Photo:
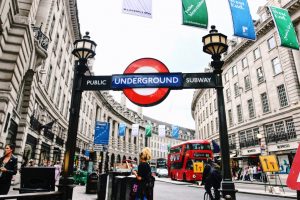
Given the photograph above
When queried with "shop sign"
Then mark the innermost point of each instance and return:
(251, 151)
(285, 146)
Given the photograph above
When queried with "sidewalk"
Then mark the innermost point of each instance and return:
(245, 187)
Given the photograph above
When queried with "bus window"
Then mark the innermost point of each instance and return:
(175, 150)
(176, 165)
(189, 164)
(200, 147)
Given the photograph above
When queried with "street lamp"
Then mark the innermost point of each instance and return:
(84, 49)
(215, 44)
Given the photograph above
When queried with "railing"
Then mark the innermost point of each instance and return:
(232, 146)
(48, 134)
(282, 136)
(249, 143)
(42, 39)
(39, 195)
(59, 141)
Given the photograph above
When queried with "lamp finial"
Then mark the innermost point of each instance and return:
(86, 35)
(213, 29)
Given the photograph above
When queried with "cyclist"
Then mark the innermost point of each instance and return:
(212, 178)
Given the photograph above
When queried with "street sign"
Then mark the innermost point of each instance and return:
(269, 163)
(148, 96)
(198, 167)
(149, 80)
(96, 83)
(293, 180)
(199, 80)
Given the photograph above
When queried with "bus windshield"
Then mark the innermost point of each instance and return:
(198, 147)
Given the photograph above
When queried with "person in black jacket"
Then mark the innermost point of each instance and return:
(8, 168)
(143, 176)
(212, 178)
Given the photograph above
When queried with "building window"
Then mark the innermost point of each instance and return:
(265, 102)
(226, 77)
(236, 89)
(234, 70)
(58, 97)
(210, 108)
(276, 66)
(248, 137)
(282, 96)
(251, 108)
(48, 77)
(215, 104)
(53, 88)
(239, 113)
(256, 53)
(247, 82)
(228, 96)
(212, 127)
(52, 27)
(55, 43)
(271, 43)
(260, 75)
(244, 62)
(230, 118)
(283, 130)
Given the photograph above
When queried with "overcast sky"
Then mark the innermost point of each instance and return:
(123, 38)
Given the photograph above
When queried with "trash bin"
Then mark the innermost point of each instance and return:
(101, 186)
(111, 189)
(91, 184)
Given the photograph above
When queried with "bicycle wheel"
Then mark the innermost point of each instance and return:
(206, 196)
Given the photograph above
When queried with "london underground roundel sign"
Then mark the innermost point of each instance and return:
(146, 96)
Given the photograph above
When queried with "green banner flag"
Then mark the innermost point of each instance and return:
(285, 27)
(195, 13)
(148, 130)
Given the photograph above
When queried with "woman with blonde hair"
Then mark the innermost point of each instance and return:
(143, 175)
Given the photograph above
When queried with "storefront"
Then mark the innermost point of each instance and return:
(250, 156)
(285, 153)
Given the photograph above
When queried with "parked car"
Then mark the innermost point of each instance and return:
(162, 172)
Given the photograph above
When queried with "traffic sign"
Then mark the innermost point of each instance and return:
(148, 96)
(198, 167)
(269, 163)
(293, 180)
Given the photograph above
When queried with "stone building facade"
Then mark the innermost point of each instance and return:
(36, 76)
(261, 93)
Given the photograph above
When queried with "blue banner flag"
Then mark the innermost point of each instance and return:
(87, 153)
(242, 21)
(101, 133)
(122, 129)
(175, 132)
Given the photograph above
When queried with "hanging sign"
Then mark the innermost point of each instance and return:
(101, 133)
(135, 129)
(122, 129)
(161, 130)
(175, 132)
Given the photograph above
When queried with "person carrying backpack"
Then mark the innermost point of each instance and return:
(212, 178)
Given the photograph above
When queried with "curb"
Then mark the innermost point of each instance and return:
(239, 191)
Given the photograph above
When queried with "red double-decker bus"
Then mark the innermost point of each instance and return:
(182, 157)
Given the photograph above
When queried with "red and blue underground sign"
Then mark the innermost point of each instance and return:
(147, 81)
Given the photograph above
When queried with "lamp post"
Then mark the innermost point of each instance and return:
(84, 49)
(215, 44)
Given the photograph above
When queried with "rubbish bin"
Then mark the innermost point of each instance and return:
(91, 184)
(111, 189)
(101, 186)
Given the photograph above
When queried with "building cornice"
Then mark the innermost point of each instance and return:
(73, 13)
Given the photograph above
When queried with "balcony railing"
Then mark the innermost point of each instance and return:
(283, 136)
(249, 143)
(42, 39)
(59, 141)
(232, 146)
(48, 134)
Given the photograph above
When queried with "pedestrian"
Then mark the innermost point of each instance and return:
(57, 172)
(212, 178)
(8, 168)
(144, 177)
(250, 172)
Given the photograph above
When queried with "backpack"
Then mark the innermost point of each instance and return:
(215, 173)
